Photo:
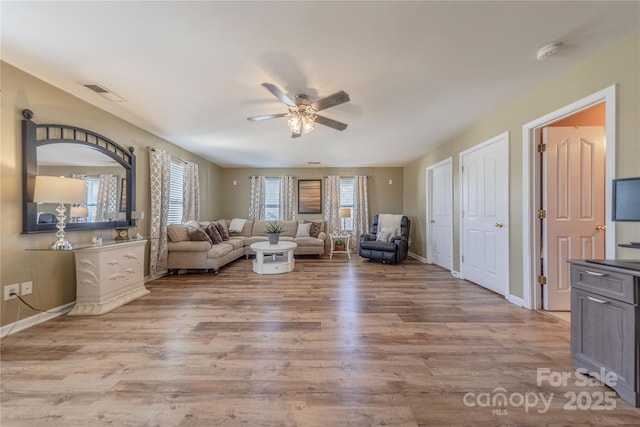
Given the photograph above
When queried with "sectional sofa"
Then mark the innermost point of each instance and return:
(187, 251)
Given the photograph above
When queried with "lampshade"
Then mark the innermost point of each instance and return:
(79, 212)
(54, 189)
(344, 213)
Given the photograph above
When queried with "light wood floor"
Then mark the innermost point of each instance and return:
(335, 343)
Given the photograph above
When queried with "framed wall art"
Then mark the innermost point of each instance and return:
(309, 196)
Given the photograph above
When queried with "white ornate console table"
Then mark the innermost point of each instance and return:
(108, 276)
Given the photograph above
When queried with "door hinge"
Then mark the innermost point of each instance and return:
(463, 213)
(542, 148)
(542, 280)
(541, 214)
(462, 258)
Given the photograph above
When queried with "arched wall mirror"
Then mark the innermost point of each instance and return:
(108, 169)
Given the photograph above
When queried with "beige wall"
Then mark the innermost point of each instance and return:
(53, 273)
(383, 197)
(617, 65)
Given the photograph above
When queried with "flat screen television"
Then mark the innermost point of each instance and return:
(626, 199)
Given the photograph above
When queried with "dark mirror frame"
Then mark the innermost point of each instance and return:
(35, 135)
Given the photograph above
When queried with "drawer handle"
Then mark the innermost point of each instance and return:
(593, 273)
(599, 301)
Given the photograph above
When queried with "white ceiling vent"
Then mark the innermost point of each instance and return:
(104, 92)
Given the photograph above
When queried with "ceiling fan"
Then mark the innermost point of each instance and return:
(303, 113)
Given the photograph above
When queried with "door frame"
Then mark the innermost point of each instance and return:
(497, 138)
(531, 188)
(429, 199)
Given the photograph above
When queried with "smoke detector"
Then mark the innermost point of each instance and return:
(548, 50)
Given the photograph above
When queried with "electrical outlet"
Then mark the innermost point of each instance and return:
(26, 288)
(15, 288)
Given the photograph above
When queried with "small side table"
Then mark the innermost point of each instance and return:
(346, 238)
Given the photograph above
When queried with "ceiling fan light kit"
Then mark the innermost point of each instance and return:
(547, 51)
(303, 113)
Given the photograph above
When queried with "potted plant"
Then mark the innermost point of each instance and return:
(273, 232)
(340, 245)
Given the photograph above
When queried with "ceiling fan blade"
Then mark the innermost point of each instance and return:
(331, 100)
(279, 94)
(270, 116)
(331, 123)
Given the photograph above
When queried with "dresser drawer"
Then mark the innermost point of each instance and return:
(603, 282)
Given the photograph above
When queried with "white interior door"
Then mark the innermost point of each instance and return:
(574, 198)
(440, 214)
(485, 214)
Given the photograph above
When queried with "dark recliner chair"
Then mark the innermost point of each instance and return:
(391, 252)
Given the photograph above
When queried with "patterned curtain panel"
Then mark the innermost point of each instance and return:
(191, 194)
(287, 198)
(360, 212)
(331, 203)
(256, 194)
(107, 201)
(159, 169)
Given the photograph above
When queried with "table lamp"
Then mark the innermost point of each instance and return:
(78, 212)
(61, 190)
(344, 213)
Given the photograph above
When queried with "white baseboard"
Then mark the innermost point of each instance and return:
(34, 320)
(516, 300)
(456, 274)
(418, 257)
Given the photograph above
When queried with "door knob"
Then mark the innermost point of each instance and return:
(499, 224)
(601, 227)
(432, 221)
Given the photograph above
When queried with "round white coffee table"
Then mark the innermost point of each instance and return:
(280, 261)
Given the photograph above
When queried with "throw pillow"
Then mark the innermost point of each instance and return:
(213, 233)
(177, 233)
(236, 225)
(383, 236)
(198, 234)
(317, 227)
(222, 230)
(303, 230)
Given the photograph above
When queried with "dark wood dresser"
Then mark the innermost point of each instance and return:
(605, 322)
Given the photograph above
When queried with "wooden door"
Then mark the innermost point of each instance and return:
(440, 221)
(574, 201)
(485, 214)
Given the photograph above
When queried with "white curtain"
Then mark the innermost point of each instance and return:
(332, 203)
(107, 201)
(191, 193)
(256, 195)
(159, 169)
(287, 207)
(360, 212)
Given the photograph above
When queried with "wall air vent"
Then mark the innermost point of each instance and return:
(104, 92)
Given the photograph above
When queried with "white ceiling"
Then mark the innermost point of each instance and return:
(418, 73)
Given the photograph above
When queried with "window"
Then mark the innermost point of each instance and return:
(176, 186)
(347, 186)
(271, 198)
(93, 184)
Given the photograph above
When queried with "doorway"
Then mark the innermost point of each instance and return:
(440, 214)
(572, 205)
(532, 170)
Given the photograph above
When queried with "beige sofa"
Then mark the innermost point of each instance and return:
(186, 254)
